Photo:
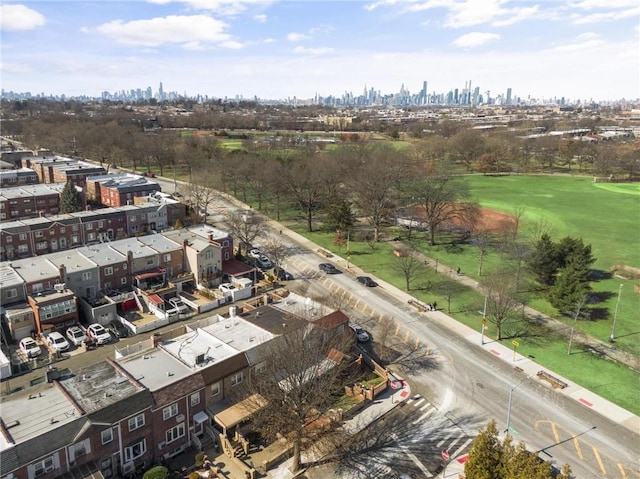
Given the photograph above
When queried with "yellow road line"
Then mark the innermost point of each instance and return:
(554, 428)
(357, 303)
(596, 453)
(578, 449)
(623, 473)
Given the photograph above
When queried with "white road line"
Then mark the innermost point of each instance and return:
(413, 457)
(419, 401)
(425, 407)
(461, 448)
(455, 441)
(424, 416)
(444, 440)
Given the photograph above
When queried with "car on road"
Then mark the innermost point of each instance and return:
(328, 268)
(76, 335)
(118, 329)
(57, 342)
(255, 253)
(29, 347)
(98, 333)
(367, 281)
(281, 274)
(361, 335)
(177, 304)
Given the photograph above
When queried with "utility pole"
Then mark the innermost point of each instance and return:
(612, 338)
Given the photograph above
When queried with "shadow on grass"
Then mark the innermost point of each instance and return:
(599, 314)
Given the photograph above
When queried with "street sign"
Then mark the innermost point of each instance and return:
(515, 343)
(484, 320)
(445, 455)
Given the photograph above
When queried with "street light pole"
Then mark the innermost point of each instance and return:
(511, 400)
(612, 338)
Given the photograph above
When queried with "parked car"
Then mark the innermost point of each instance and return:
(366, 281)
(255, 253)
(29, 347)
(281, 274)
(227, 287)
(361, 335)
(76, 335)
(118, 329)
(328, 268)
(263, 262)
(57, 342)
(177, 304)
(98, 333)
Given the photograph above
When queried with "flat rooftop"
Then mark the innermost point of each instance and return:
(155, 368)
(98, 386)
(35, 269)
(139, 250)
(31, 414)
(101, 254)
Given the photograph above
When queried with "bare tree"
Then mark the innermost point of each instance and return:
(246, 226)
(277, 251)
(199, 193)
(502, 301)
(577, 312)
(408, 264)
(385, 333)
(444, 199)
(304, 182)
(300, 378)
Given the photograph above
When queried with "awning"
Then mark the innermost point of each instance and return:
(233, 267)
(150, 274)
(200, 417)
(240, 412)
(155, 299)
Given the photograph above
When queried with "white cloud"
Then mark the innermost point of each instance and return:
(297, 37)
(606, 16)
(313, 51)
(269, 40)
(474, 12)
(173, 29)
(607, 4)
(19, 17)
(220, 7)
(15, 68)
(517, 15)
(582, 45)
(475, 39)
(232, 45)
(260, 18)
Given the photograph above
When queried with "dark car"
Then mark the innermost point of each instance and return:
(328, 268)
(366, 281)
(281, 274)
(118, 329)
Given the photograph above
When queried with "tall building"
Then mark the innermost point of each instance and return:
(508, 100)
(160, 93)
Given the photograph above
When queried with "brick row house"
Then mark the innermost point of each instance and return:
(58, 169)
(115, 190)
(18, 177)
(159, 266)
(30, 201)
(36, 236)
(154, 400)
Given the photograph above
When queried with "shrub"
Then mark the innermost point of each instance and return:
(158, 472)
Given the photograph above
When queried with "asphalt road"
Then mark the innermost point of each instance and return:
(465, 383)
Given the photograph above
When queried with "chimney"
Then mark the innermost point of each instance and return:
(211, 237)
(62, 273)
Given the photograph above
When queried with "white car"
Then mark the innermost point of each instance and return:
(263, 262)
(76, 335)
(255, 253)
(98, 333)
(57, 342)
(30, 348)
(227, 287)
(361, 335)
(178, 305)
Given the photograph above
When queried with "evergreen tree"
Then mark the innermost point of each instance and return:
(543, 261)
(70, 200)
(339, 216)
(489, 458)
(572, 284)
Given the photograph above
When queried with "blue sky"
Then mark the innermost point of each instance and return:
(582, 49)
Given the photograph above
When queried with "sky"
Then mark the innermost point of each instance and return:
(577, 49)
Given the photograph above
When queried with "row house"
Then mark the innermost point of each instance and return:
(30, 201)
(166, 212)
(58, 169)
(203, 258)
(36, 236)
(154, 400)
(18, 177)
(96, 420)
(119, 189)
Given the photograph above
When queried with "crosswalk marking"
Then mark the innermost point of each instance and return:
(419, 401)
(455, 441)
(425, 407)
(424, 416)
(444, 440)
(461, 448)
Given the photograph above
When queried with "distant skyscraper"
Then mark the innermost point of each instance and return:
(508, 100)
(160, 93)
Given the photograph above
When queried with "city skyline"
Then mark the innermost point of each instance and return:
(584, 50)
